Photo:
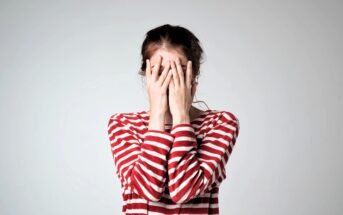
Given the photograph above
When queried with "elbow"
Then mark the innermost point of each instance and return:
(178, 198)
(184, 195)
(148, 195)
(154, 198)
(146, 191)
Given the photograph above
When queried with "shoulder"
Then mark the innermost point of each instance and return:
(123, 123)
(225, 117)
(228, 116)
(122, 117)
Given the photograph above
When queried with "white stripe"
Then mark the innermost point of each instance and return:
(229, 126)
(157, 144)
(182, 148)
(156, 154)
(209, 153)
(158, 134)
(114, 122)
(180, 174)
(207, 138)
(116, 130)
(185, 138)
(149, 183)
(145, 191)
(211, 145)
(184, 197)
(221, 132)
(183, 184)
(125, 149)
(176, 205)
(158, 177)
(182, 128)
(135, 211)
(126, 157)
(127, 164)
(176, 159)
(118, 145)
(207, 160)
(158, 166)
(206, 166)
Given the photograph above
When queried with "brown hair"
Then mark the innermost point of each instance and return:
(176, 37)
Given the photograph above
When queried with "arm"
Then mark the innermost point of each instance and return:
(193, 168)
(141, 167)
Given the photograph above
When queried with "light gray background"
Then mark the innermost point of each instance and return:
(66, 66)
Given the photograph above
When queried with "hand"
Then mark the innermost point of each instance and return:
(157, 91)
(181, 92)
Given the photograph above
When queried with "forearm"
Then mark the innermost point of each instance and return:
(156, 121)
(181, 119)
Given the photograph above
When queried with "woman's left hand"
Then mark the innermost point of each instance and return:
(181, 92)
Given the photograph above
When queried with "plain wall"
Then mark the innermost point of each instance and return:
(66, 66)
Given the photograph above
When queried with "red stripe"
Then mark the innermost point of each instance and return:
(159, 195)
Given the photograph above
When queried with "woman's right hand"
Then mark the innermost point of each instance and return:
(157, 85)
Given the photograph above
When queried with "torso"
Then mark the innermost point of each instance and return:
(194, 114)
(202, 122)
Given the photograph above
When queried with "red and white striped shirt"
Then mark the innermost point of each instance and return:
(176, 171)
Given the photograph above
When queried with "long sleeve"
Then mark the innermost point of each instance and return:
(193, 168)
(140, 164)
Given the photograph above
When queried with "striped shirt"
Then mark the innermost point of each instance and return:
(176, 171)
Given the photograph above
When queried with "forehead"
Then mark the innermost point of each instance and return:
(168, 54)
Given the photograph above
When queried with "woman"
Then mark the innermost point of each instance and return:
(171, 159)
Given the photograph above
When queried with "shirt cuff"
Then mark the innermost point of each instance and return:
(181, 127)
(159, 136)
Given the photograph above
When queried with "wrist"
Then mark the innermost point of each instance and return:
(181, 119)
(156, 122)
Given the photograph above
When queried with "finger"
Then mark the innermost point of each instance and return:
(171, 84)
(167, 80)
(148, 70)
(176, 78)
(156, 68)
(164, 73)
(180, 71)
(189, 74)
